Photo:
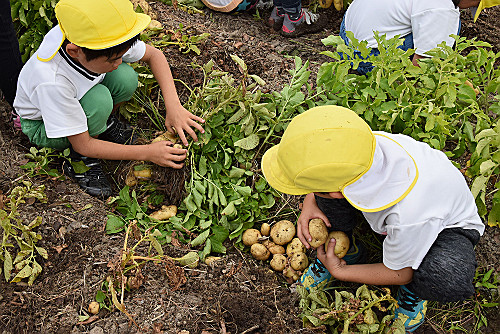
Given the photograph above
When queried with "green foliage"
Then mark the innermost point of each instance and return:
(24, 263)
(346, 312)
(41, 160)
(32, 20)
(185, 41)
(430, 103)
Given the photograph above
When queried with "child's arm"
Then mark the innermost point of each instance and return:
(310, 210)
(161, 153)
(373, 273)
(177, 117)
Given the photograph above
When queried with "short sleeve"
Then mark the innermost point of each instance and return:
(135, 53)
(433, 26)
(62, 113)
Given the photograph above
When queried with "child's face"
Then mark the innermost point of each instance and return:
(98, 65)
(332, 195)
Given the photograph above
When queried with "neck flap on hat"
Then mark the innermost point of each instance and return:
(390, 178)
(51, 44)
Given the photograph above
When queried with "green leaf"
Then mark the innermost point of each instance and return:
(7, 265)
(248, 143)
(114, 224)
(25, 272)
(201, 238)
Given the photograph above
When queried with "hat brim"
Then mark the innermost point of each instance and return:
(275, 176)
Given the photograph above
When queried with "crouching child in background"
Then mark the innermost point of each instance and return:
(68, 90)
(405, 190)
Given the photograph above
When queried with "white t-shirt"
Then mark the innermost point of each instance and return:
(431, 21)
(440, 199)
(51, 90)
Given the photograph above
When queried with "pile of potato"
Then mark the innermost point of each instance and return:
(287, 253)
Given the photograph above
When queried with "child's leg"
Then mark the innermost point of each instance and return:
(121, 83)
(447, 271)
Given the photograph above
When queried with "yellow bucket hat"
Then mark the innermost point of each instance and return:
(94, 24)
(482, 5)
(330, 149)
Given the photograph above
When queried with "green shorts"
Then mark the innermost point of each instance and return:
(117, 86)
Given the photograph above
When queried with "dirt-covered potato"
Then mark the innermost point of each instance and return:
(250, 237)
(260, 252)
(165, 213)
(144, 173)
(318, 232)
(276, 249)
(299, 261)
(265, 229)
(282, 232)
(166, 136)
(278, 262)
(94, 307)
(295, 246)
(290, 273)
(154, 25)
(342, 243)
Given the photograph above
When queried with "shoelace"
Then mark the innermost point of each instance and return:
(309, 17)
(408, 300)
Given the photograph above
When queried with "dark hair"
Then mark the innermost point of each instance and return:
(456, 2)
(91, 54)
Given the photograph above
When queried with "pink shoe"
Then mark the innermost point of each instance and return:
(17, 121)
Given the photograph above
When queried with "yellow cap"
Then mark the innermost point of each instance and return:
(322, 150)
(485, 4)
(99, 24)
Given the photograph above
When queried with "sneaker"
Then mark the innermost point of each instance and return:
(317, 273)
(307, 23)
(93, 181)
(118, 132)
(411, 309)
(275, 21)
(16, 121)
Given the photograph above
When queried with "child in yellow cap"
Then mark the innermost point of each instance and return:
(405, 190)
(69, 88)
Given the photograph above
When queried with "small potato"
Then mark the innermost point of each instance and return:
(299, 261)
(341, 245)
(295, 246)
(265, 229)
(143, 173)
(276, 249)
(179, 146)
(130, 180)
(250, 237)
(166, 136)
(282, 232)
(318, 231)
(165, 213)
(268, 243)
(153, 24)
(278, 262)
(290, 273)
(94, 307)
(260, 252)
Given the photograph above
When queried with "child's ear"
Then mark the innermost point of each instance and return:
(73, 50)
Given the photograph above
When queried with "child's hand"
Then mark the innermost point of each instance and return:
(310, 210)
(182, 120)
(164, 154)
(328, 258)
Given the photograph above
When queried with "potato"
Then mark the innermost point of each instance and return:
(166, 136)
(290, 273)
(259, 252)
(339, 4)
(130, 180)
(265, 229)
(154, 25)
(318, 231)
(178, 146)
(342, 243)
(250, 237)
(299, 261)
(144, 173)
(276, 249)
(325, 3)
(268, 243)
(295, 246)
(94, 307)
(282, 232)
(165, 213)
(278, 262)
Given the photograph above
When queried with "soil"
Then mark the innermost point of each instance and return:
(236, 294)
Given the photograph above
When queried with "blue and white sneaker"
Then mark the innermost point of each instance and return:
(317, 273)
(411, 309)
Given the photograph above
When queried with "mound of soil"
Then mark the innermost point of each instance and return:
(236, 294)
